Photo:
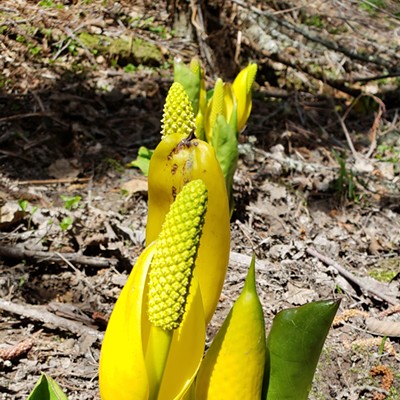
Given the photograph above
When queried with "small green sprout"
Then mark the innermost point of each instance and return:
(71, 203)
(65, 223)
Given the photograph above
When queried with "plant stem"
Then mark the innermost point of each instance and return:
(156, 358)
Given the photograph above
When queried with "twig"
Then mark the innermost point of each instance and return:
(13, 154)
(366, 79)
(197, 21)
(349, 276)
(78, 272)
(39, 313)
(61, 49)
(238, 47)
(54, 181)
(21, 253)
(27, 115)
(347, 134)
(375, 125)
(391, 310)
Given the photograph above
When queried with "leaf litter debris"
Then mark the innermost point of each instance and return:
(72, 118)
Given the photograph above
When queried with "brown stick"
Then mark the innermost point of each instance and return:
(27, 115)
(21, 253)
(39, 313)
(349, 276)
(54, 181)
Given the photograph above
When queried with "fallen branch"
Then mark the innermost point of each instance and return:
(317, 38)
(39, 313)
(27, 115)
(54, 181)
(22, 253)
(350, 277)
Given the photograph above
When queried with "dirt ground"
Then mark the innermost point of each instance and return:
(322, 218)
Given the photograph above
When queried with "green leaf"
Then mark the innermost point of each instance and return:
(294, 345)
(225, 143)
(71, 203)
(23, 204)
(190, 81)
(66, 222)
(47, 388)
(143, 160)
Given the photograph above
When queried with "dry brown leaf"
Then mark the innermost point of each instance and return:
(383, 327)
(135, 185)
(63, 168)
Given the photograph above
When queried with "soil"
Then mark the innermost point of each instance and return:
(73, 115)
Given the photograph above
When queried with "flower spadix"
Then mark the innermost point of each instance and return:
(155, 338)
(234, 364)
(178, 114)
(174, 259)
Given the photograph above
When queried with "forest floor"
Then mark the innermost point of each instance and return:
(75, 105)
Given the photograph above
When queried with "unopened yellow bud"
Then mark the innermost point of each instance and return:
(195, 65)
(215, 108)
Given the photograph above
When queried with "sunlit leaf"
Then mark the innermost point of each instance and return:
(294, 345)
(143, 160)
(225, 143)
(190, 79)
(47, 389)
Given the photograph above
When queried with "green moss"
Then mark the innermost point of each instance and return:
(123, 50)
(135, 51)
(92, 42)
(50, 4)
(315, 20)
(381, 275)
(372, 6)
(386, 271)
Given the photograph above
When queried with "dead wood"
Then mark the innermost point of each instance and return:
(303, 38)
(39, 313)
(20, 253)
(362, 284)
(383, 327)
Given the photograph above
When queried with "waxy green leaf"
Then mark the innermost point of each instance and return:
(225, 143)
(143, 160)
(190, 79)
(47, 389)
(294, 345)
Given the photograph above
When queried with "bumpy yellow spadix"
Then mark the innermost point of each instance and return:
(174, 259)
(178, 114)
